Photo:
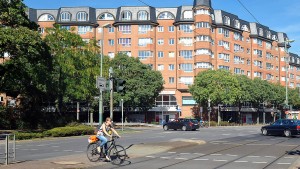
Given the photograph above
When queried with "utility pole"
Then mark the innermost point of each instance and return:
(209, 111)
(122, 105)
(111, 91)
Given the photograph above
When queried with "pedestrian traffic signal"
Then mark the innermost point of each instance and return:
(120, 85)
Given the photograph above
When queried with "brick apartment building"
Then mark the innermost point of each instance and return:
(181, 42)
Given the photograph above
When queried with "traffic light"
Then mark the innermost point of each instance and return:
(120, 85)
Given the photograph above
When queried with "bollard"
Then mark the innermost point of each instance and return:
(6, 149)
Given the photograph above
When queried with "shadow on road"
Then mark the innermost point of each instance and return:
(296, 152)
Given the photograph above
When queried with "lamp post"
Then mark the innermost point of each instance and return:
(101, 68)
(209, 111)
(287, 59)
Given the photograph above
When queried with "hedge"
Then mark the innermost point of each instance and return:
(77, 130)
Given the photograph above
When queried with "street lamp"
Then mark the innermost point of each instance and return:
(287, 59)
(107, 25)
(209, 111)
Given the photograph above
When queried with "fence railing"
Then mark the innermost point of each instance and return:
(9, 143)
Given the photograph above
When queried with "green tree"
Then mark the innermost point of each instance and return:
(219, 86)
(75, 66)
(143, 84)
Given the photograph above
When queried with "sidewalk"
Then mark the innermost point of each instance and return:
(80, 160)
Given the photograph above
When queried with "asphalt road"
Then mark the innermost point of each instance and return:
(226, 147)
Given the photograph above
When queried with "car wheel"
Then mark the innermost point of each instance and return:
(265, 132)
(183, 128)
(166, 127)
(287, 133)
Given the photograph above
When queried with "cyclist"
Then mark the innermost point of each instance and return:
(106, 129)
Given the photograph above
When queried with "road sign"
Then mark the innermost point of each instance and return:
(101, 83)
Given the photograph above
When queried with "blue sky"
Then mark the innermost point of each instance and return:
(279, 15)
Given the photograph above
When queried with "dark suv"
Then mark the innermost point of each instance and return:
(183, 124)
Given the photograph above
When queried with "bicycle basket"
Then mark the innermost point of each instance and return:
(92, 139)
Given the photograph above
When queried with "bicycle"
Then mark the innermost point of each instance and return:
(116, 153)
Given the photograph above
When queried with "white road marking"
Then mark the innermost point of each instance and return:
(78, 151)
(198, 154)
(232, 155)
(54, 146)
(150, 156)
(68, 150)
(165, 157)
(219, 141)
(220, 160)
(185, 153)
(258, 144)
(226, 134)
(171, 152)
(253, 156)
(270, 156)
(201, 159)
(215, 143)
(284, 163)
(259, 162)
(289, 157)
(216, 154)
(241, 161)
(181, 158)
(41, 145)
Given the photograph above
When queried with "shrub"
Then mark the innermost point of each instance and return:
(213, 123)
(69, 131)
(224, 123)
(26, 136)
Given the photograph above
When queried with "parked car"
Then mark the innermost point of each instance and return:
(286, 127)
(183, 124)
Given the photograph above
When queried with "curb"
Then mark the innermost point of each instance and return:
(296, 164)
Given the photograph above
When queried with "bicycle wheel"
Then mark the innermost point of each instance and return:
(92, 152)
(117, 154)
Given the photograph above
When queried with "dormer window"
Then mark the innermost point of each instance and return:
(245, 28)
(82, 16)
(274, 37)
(237, 24)
(126, 16)
(260, 32)
(65, 16)
(269, 34)
(106, 16)
(143, 15)
(226, 20)
(46, 17)
(187, 15)
(166, 15)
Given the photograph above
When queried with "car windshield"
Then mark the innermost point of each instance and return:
(194, 121)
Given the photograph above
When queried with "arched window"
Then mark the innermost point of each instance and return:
(143, 15)
(126, 15)
(166, 15)
(260, 32)
(106, 16)
(46, 17)
(237, 24)
(274, 37)
(82, 16)
(245, 28)
(226, 20)
(269, 34)
(65, 16)
(188, 15)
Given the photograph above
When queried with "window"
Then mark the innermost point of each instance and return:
(187, 28)
(144, 29)
(111, 42)
(126, 29)
(171, 67)
(128, 53)
(111, 29)
(269, 77)
(126, 16)
(260, 32)
(224, 56)
(171, 28)
(269, 56)
(269, 34)
(258, 63)
(65, 27)
(187, 15)
(144, 54)
(237, 24)
(145, 41)
(186, 67)
(258, 74)
(166, 15)
(106, 16)
(225, 44)
(186, 80)
(237, 60)
(46, 17)
(203, 38)
(204, 65)
(203, 52)
(186, 41)
(186, 54)
(269, 66)
(268, 45)
(65, 16)
(237, 36)
(258, 52)
(82, 16)
(84, 29)
(160, 28)
(171, 54)
(274, 37)
(248, 62)
(237, 47)
(203, 25)
(171, 41)
(124, 41)
(171, 80)
(258, 41)
(237, 71)
(202, 11)
(224, 67)
(143, 15)
(160, 41)
(160, 54)
(224, 31)
(245, 28)
(160, 67)
(226, 20)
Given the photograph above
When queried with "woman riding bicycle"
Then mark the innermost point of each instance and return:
(106, 129)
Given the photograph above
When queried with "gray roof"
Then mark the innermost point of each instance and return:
(202, 3)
